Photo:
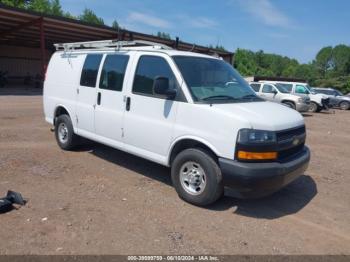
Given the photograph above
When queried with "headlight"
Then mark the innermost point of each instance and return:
(252, 136)
(300, 100)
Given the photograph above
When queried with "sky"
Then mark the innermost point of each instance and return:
(294, 28)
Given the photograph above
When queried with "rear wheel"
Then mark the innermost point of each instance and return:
(197, 177)
(64, 133)
(344, 105)
(289, 104)
(313, 107)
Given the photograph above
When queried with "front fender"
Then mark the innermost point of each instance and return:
(195, 138)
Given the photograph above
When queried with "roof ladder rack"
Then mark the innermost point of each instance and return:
(103, 44)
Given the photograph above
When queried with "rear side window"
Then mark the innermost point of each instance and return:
(90, 70)
(288, 87)
(113, 71)
(256, 87)
(268, 89)
(148, 68)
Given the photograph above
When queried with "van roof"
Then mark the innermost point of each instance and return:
(168, 52)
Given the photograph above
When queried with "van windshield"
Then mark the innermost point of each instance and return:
(214, 81)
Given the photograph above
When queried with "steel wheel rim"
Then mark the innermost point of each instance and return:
(343, 105)
(63, 133)
(312, 107)
(192, 177)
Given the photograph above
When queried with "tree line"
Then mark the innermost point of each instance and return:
(53, 7)
(330, 67)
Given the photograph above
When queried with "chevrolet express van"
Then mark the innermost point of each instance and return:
(191, 112)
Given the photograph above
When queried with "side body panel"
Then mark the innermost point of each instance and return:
(60, 87)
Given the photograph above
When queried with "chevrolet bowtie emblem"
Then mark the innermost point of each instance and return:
(296, 141)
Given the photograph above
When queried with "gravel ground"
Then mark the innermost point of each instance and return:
(98, 200)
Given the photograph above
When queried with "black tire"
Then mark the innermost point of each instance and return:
(344, 105)
(70, 140)
(213, 188)
(289, 104)
(314, 107)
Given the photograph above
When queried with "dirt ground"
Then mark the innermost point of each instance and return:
(98, 200)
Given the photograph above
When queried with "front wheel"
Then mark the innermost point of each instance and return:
(64, 133)
(197, 177)
(344, 105)
(313, 107)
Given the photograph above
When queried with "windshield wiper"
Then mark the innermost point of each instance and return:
(219, 97)
(251, 96)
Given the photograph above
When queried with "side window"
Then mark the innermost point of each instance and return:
(288, 87)
(268, 89)
(321, 91)
(256, 87)
(148, 68)
(300, 89)
(113, 71)
(90, 70)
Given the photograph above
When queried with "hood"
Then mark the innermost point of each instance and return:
(322, 96)
(262, 115)
(347, 98)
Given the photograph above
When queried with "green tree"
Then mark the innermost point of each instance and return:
(56, 8)
(115, 24)
(341, 60)
(323, 61)
(245, 62)
(42, 6)
(90, 17)
(15, 3)
(163, 35)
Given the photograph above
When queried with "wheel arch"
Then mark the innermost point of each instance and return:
(183, 143)
(289, 101)
(61, 110)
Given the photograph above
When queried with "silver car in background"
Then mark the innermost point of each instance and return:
(277, 93)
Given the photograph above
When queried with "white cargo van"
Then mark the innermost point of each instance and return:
(189, 111)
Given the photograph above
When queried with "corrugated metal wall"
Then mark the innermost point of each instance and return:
(20, 61)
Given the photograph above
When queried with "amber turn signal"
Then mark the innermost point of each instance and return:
(256, 155)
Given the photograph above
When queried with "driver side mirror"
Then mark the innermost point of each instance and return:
(161, 87)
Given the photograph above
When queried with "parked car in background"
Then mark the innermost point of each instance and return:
(318, 102)
(191, 112)
(277, 93)
(336, 98)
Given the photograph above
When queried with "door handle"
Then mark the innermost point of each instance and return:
(99, 98)
(127, 105)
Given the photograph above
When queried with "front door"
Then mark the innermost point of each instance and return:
(268, 92)
(109, 112)
(149, 118)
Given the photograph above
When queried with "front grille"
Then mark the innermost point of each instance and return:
(286, 140)
(325, 102)
(290, 133)
(284, 154)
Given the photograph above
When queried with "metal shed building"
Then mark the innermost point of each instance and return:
(27, 38)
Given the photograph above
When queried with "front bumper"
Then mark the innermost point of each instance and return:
(259, 179)
(325, 103)
(302, 107)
